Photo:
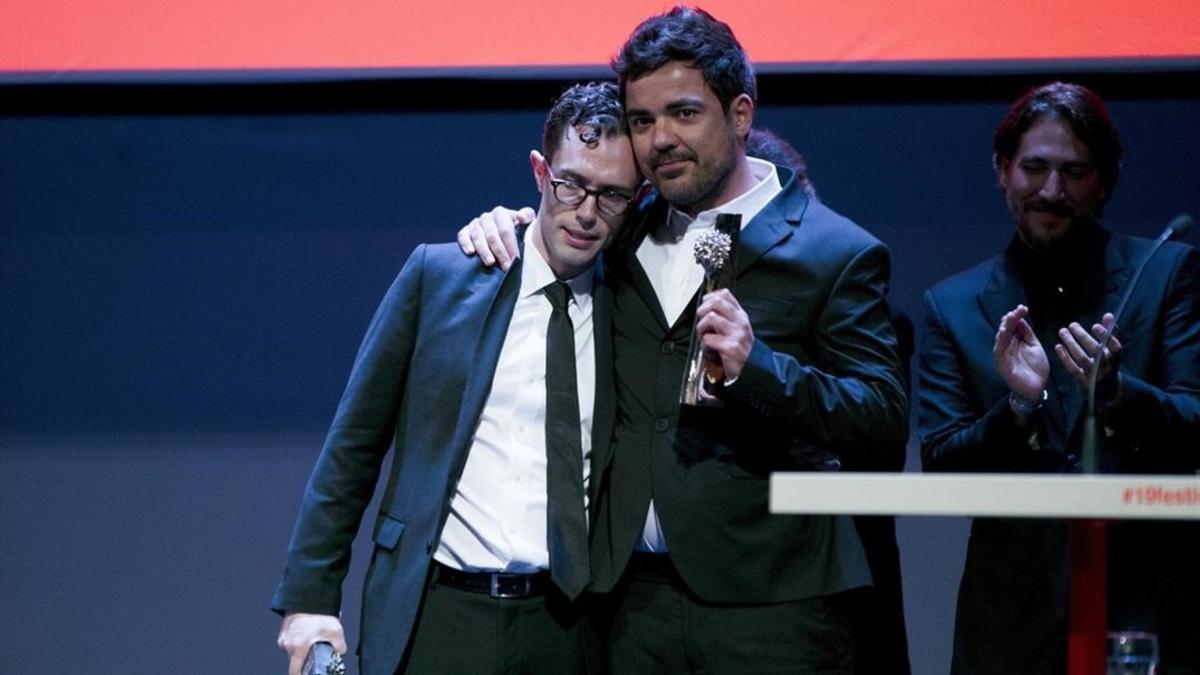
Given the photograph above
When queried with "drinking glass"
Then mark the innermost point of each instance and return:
(1132, 653)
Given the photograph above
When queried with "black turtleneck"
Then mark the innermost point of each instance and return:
(1064, 283)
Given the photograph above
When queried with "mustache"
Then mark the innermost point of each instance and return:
(666, 157)
(1053, 208)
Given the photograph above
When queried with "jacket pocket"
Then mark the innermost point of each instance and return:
(387, 531)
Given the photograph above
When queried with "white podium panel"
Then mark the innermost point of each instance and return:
(1004, 495)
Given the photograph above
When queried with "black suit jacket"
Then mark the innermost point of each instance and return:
(1013, 595)
(419, 382)
(822, 382)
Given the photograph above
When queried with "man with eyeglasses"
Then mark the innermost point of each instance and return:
(496, 388)
(700, 576)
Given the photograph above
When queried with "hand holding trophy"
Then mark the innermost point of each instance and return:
(323, 660)
(715, 252)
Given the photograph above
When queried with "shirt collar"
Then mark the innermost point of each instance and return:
(747, 205)
(536, 274)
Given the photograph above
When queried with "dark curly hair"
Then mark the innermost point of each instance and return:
(690, 35)
(593, 109)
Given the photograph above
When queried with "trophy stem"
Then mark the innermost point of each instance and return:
(693, 381)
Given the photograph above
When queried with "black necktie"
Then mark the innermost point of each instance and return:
(566, 524)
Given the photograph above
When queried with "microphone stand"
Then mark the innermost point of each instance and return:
(1090, 441)
(1088, 612)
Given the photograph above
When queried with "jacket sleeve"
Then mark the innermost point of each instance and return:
(1168, 409)
(348, 468)
(853, 402)
(956, 435)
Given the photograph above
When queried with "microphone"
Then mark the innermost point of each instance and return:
(1178, 225)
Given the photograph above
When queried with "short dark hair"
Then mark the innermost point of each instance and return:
(766, 144)
(1079, 107)
(594, 109)
(690, 35)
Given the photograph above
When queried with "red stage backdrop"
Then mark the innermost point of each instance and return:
(156, 35)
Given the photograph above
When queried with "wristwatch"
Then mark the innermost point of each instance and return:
(1023, 405)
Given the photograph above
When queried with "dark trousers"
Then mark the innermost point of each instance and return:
(459, 631)
(657, 626)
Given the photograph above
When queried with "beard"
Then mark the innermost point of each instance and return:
(1039, 223)
(703, 185)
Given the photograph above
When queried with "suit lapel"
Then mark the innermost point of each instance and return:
(604, 407)
(640, 283)
(767, 229)
(1118, 270)
(1003, 292)
(770, 227)
(634, 273)
(498, 292)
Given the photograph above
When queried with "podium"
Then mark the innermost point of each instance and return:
(1088, 501)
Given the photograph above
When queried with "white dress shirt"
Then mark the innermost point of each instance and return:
(497, 518)
(668, 259)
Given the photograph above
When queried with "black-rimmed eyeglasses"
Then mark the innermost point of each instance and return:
(570, 193)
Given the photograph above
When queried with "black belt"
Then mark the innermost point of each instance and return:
(494, 584)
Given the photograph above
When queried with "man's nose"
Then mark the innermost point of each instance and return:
(664, 136)
(1052, 187)
(585, 213)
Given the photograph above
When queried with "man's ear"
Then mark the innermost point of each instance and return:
(541, 168)
(741, 114)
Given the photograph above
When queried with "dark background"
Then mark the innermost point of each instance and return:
(186, 270)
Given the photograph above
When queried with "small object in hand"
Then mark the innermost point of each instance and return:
(712, 251)
(322, 660)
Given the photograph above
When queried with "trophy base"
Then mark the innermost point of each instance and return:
(692, 395)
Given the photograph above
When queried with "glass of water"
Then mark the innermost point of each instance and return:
(1132, 653)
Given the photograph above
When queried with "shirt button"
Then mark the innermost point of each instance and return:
(661, 424)
(668, 347)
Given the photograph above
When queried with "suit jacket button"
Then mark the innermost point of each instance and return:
(661, 424)
(668, 347)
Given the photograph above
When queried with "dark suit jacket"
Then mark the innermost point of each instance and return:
(1012, 599)
(419, 382)
(880, 634)
(822, 382)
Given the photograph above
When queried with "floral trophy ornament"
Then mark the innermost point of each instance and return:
(715, 253)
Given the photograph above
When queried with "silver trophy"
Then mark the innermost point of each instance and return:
(714, 252)
(322, 660)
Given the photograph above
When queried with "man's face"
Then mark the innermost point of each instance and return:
(684, 141)
(570, 237)
(1050, 184)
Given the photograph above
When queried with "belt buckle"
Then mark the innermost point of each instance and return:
(496, 591)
